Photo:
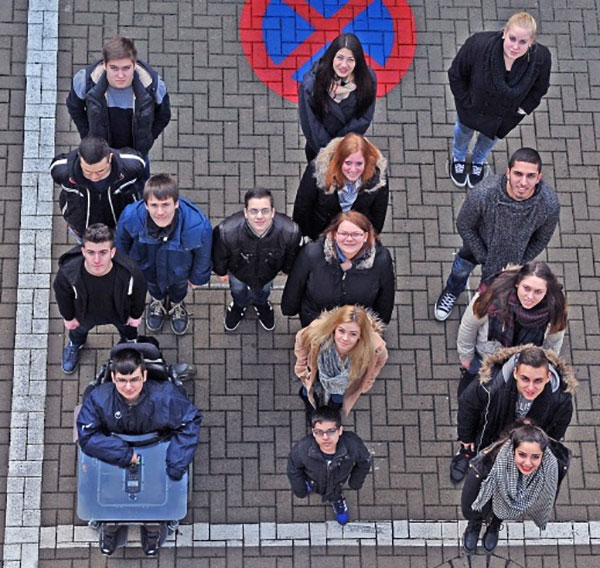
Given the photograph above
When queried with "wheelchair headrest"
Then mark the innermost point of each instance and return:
(148, 350)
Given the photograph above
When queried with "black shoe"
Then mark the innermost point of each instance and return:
(70, 358)
(112, 537)
(155, 315)
(471, 536)
(476, 174)
(458, 173)
(266, 315)
(180, 318)
(460, 464)
(234, 314)
(444, 305)
(490, 537)
(152, 538)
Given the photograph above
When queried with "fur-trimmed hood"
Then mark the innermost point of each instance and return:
(507, 358)
(365, 259)
(321, 164)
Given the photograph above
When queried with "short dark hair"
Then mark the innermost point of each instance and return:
(161, 186)
(534, 357)
(258, 193)
(119, 47)
(326, 414)
(529, 433)
(92, 149)
(528, 155)
(125, 362)
(99, 233)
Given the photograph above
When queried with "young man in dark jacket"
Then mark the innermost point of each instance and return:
(249, 249)
(131, 405)
(516, 383)
(96, 285)
(324, 460)
(170, 238)
(507, 219)
(120, 99)
(97, 183)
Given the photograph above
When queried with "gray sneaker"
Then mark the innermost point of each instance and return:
(444, 305)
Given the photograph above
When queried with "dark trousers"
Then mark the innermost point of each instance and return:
(79, 336)
(463, 265)
(176, 292)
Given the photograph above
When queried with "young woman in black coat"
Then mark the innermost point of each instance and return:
(347, 265)
(337, 95)
(496, 78)
(348, 174)
(516, 478)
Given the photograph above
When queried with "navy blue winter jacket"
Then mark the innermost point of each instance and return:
(161, 407)
(186, 255)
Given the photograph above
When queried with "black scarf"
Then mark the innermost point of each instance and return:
(511, 85)
(518, 326)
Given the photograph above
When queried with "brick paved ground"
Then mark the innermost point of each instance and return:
(13, 29)
(228, 133)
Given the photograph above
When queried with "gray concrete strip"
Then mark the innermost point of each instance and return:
(26, 451)
(379, 533)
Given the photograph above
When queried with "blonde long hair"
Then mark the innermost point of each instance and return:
(322, 331)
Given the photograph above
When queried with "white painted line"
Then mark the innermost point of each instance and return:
(26, 450)
(411, 534)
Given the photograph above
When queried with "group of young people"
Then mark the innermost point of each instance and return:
(341, 279)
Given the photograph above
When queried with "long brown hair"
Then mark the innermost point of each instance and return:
(505, 283)
(322, 331)
(350, 144)
(357, 219)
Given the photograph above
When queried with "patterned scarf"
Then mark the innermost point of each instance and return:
(510, 85)
(516, 496)
(334, 371)
(347, 194)
(341, 88)
(519, 326)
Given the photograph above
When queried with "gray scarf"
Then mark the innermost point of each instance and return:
(334, 371)
(516, 496)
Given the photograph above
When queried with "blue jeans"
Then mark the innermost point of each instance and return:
(176, 292)
(460, 144)
(243, 295)
(463, 265)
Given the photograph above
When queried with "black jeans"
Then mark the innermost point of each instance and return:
(79, 335)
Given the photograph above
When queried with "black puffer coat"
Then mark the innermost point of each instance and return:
(316, 205)
(80, 204)
(317, 282)
(477, 104)
(486, 408)
(351, 461)
(251, 259)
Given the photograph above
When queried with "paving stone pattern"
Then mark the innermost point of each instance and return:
(229, 132)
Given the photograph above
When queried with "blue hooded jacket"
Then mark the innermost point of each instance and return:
(161, 407)
(186, 255)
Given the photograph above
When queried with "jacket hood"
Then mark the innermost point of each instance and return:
(367, 258)
(143, 74)
(321, 163)
(559, 367)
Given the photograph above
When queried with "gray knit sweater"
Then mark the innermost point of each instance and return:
(499, 230)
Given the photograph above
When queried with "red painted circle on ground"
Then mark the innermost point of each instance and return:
(279, 77)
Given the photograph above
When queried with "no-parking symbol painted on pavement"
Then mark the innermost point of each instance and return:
(283, 38)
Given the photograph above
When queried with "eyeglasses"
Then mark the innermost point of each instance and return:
(264, 212)
(133, 382)
(320, 433)
(356, 235)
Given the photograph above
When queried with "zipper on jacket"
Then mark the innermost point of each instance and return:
(112, 209)
(87, 217)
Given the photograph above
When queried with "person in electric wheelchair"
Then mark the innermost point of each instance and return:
(127, 403)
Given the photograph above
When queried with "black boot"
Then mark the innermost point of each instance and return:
(490, 537)
(308, 407)
(471, 536)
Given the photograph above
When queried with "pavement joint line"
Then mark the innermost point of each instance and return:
(24, 482)
(378, 533)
